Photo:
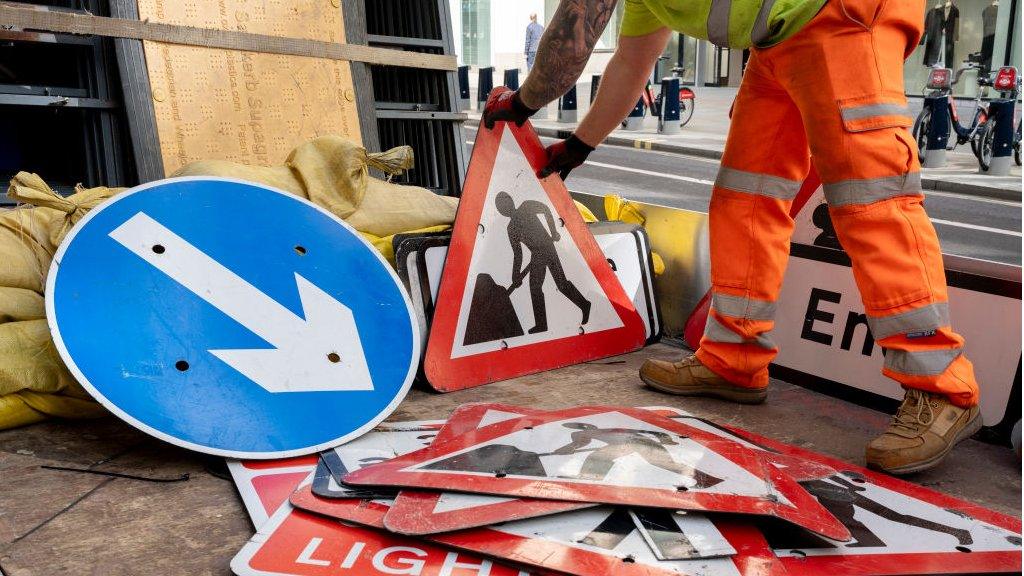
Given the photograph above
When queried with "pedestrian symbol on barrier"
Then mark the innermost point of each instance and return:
(525, 286)
(221, 316)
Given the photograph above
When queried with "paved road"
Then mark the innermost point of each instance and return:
(967, 226)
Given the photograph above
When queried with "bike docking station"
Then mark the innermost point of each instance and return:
(1001, 112)
(464, 92)
(939, 124)
(635, 120)
(668, 122)
(567, 107)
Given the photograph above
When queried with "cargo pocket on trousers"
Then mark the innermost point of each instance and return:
(874, 112)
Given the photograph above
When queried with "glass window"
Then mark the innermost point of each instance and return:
(608, 39)
(963, 34)
(476, 32)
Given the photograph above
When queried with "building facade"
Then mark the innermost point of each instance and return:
(986, 32)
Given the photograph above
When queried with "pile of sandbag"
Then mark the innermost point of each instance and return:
(330, 171)
(34, 384)
(335, 173)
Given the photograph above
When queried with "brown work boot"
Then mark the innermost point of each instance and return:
(924, 430)
(689, 377)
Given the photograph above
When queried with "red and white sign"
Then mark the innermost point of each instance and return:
(416, 513)
(297, 543)
(265, 485)
(625, 456)
(897, 527)
(525, 286)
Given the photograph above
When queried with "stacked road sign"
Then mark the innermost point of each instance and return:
(500, 490)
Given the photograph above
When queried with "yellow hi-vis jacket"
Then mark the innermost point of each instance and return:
(732, 23)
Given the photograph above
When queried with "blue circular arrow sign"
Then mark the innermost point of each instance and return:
(231, 318)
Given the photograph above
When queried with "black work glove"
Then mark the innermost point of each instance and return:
(564, 156)
(504, 105)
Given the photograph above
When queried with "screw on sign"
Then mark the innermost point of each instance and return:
(221, 316)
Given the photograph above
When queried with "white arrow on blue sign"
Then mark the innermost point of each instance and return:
(231, 318)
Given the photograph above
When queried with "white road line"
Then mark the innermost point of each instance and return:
(972, 198)
(976, 227)
(650, 173)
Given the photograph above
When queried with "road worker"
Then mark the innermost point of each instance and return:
(824, 84)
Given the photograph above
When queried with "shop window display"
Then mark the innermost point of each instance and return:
(957, 32)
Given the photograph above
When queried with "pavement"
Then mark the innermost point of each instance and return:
(63, 522)
(705, 135)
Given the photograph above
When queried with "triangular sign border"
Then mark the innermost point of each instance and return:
(446, 374)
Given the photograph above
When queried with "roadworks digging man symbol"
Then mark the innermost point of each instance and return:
(615, 443)
(492, 315)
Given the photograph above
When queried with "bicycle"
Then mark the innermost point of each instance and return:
(941, 85)
(1007, 84)
(687, 100)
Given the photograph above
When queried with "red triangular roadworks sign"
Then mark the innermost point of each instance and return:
(671, 465)
(417, 512)
(490, 326)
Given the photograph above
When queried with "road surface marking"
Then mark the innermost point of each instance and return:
(976, 227)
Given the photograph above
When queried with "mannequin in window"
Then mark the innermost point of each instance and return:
(932, 37)
(988, 35)
(951, 32)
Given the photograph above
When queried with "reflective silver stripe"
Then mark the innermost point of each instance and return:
(718, 22)
(741, 307)
(715, 332)
(872, 110)
(754, 183)
(760, 31)
(870, 190)
(929, 363)
(923, 319)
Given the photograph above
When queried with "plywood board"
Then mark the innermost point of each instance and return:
(246, 106)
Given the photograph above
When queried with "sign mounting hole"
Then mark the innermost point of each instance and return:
(963, 548)
(158, 248)
(334, 357)
(300, 250)
(181, 365)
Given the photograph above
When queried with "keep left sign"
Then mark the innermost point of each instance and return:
(231, 318)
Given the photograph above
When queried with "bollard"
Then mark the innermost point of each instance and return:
(938, 132)
(669, 106)
(1001, 112)
(635, 120)
(567, 106)
(464, 88)
(512, 79)
(484, 85)
(595, 81)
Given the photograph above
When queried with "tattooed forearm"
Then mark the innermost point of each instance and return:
(565, 48)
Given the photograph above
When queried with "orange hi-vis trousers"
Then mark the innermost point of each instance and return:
(833, 94)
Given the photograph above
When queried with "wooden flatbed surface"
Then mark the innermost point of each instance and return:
(56, 522)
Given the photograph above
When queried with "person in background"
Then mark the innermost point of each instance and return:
(533, 33)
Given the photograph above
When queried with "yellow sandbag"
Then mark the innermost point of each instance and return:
(27, 407)
(618, 208)
(20, 304)
(334, 173)
(29, 360)
(385, 244)
(30, 234)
